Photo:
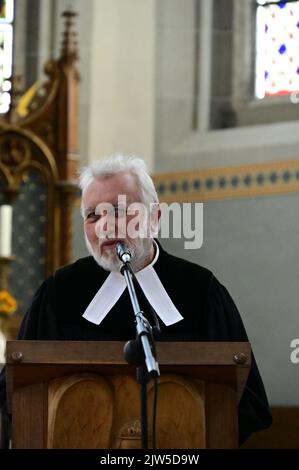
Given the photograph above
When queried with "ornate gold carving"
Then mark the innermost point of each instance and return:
(46, 140)
(46, 132)
(69, 53)
(14, 150)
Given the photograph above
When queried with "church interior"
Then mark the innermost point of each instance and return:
(207, 93)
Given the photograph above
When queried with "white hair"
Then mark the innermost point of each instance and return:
(110, 166)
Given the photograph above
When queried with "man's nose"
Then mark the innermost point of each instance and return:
(105, 226)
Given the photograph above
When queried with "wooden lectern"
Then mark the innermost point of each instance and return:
(82, 394)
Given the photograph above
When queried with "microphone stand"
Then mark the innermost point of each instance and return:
(140, 352)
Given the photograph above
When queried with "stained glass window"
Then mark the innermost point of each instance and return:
(6, 40)
(277, 48)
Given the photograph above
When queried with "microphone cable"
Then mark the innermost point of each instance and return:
(123, 252)
(156, 329)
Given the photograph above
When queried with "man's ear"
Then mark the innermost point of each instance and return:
(156, 211)
(154, 218)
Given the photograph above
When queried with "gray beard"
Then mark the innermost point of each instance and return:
(139, 254)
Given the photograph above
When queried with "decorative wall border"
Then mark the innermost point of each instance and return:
(245, 181)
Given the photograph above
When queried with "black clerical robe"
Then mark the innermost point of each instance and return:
(209, 314)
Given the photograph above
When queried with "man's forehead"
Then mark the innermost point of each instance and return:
(122, 179)
(110, 187)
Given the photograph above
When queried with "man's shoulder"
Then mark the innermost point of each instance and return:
(81, 267)
(185, 267)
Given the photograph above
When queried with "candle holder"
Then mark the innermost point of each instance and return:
(8, 303)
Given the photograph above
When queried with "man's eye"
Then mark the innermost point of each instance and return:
(91, 216)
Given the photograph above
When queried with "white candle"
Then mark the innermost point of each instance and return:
(5, 230)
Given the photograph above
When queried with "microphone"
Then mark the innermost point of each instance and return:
(123, 253)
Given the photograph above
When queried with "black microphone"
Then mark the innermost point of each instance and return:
(123, 253)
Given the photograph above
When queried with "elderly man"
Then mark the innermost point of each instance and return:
(88, 300)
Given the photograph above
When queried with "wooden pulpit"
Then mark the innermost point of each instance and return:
(83, 394)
